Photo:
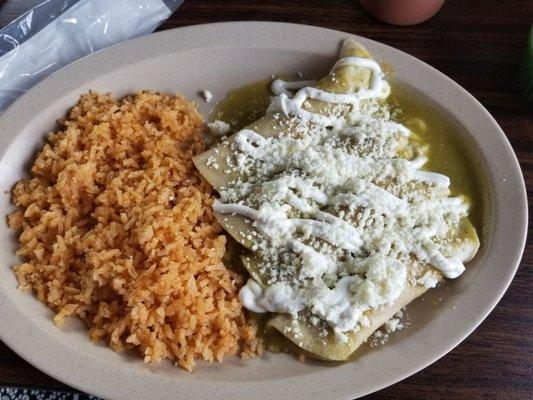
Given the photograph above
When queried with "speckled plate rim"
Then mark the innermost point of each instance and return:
(53, 352)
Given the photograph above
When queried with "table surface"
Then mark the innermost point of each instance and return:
(478, 44)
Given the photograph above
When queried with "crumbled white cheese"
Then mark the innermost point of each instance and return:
(211, 162)
(378, 338)
(218, 128)
(207, 95)
(429, 280)
(393, 325)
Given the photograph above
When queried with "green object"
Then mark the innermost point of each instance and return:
(526, 70)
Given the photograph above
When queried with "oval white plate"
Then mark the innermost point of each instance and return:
(219, 57)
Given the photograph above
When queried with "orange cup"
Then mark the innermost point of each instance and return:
(402, 12)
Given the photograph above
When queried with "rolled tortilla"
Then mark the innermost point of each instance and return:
(308, 337)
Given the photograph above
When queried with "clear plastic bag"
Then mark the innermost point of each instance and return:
(58, 32)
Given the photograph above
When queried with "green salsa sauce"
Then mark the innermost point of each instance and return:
(448, 153)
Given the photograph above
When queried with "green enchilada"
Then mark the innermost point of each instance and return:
(342, 220)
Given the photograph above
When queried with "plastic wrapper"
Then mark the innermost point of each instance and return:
(58, 32)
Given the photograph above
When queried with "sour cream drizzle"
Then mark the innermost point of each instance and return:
(294, 106)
